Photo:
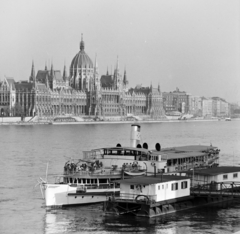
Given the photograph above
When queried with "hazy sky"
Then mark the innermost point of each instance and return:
(192, 45)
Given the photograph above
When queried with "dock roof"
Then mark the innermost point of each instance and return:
(147, 180)
(186, 151)
(189, 148)
(214, 171)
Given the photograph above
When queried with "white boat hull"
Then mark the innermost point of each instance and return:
(57, 195)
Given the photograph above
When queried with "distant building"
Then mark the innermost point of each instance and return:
(234, 110)
(83, 92)
(7, 97)
(220, 107)
(176, 101)
(195, 106)
(146, 101)
(207, 107)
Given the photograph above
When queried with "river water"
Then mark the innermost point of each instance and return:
(25, 151)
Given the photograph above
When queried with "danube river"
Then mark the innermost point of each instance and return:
(25, 151)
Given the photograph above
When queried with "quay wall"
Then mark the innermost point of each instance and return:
(13, 119)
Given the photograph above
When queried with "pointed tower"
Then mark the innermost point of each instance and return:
(125, 82)
(51, 71)
(95, 75)
(116, 76)
(81, 43)
(107, 72)
(45, 66)
(64, 72)
(125, 77)
(159, 88)
(32, 77)
(51, 77)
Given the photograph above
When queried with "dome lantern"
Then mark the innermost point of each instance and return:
(82, 44)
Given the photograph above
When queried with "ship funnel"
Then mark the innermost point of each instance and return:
(135, 136)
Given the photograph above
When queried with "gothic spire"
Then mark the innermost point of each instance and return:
(32, 77)
(51, 71)
(125, 77)
(96, 64)
(64, 72)
(117, 66)
(45, 66)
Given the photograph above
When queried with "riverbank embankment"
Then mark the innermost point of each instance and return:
(91, 122)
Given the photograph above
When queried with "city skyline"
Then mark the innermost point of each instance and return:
(190, 45)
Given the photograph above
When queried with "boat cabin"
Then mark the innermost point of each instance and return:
(157, 189)
(187, 157)
(223, 174)
(128, 157)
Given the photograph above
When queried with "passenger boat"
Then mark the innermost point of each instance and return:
(91, 178)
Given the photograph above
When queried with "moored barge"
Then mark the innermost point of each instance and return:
(159, 195)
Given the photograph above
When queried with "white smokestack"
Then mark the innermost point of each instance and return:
(135, 137)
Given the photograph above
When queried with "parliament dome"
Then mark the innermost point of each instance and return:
(81, 59)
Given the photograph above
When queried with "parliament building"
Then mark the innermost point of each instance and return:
(50, 93)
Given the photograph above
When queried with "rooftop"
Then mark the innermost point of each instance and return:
(147, 180)
(215, 171)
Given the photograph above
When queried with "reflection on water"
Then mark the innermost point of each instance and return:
(88, 219)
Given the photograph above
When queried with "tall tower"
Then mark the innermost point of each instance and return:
(96, 75)
(64, 73)
(125, 81)
(117, 79)
(32, 77)
(51, 77)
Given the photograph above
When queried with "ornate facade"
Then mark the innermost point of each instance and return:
(83, 92)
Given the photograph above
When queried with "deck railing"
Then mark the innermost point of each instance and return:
(217, 188)
(92, 173)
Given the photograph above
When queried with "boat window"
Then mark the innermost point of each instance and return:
(174, 186)
(102, 181)
(159, 187)
(184, 185)
(79, 181)
(84, 181)
(235, 175)
(225, 177)
(163, 186)
(131, 186)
